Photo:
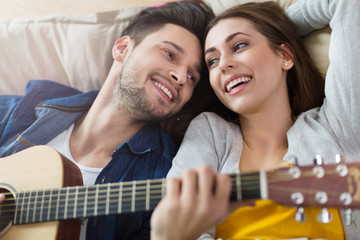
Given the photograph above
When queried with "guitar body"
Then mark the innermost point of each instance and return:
(39, 167)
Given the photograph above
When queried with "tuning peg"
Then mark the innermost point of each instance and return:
(318, 160)
(324, 216)
(318, 170)
(341, 167)
(299, 215)
(348, 217)
(339, 159)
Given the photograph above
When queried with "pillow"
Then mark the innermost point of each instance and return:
(73, 50)
(76, 50)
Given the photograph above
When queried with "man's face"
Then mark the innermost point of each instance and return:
(159, 75)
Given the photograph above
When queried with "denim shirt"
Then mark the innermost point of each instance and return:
(47, 109)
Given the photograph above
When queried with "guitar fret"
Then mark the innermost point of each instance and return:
(38, 203)
(147, 199)
(42, 205)
(162, 188)
(75, 201)
(18, 212)
(66, 203)
(80, 198)
(107, 199)
(133, 197)
(120, 198)
(28, 198)
(102, 199)
(63, 194)
(96, 200)
(238, 187)
(157, 192)
(85, 202)
(33, 208)
(49, 205)
(57, 206)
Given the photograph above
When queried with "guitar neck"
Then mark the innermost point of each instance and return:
(111, 198)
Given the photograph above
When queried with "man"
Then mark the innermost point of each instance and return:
(114, 135)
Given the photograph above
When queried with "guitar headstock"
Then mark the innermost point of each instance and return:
(332, 185)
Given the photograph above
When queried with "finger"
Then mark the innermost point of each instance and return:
(222, 187)
(2, 197)
(173, 188)
(189, 186)
(206, 182)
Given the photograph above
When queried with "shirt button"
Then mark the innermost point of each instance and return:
(103, 179)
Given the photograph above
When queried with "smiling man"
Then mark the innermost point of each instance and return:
(114, 134)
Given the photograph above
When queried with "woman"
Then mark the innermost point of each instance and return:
(259, 69)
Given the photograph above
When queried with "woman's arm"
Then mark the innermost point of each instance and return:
(341, 109)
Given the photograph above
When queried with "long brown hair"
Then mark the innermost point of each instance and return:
(305, 82)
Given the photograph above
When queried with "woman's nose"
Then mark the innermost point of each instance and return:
(226, 63)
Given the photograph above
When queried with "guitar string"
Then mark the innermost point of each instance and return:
(128, 187)
(127, 194)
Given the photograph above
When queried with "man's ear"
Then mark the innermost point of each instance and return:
(121, 48)
(287, 57)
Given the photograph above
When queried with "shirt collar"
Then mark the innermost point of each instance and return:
(145, 140)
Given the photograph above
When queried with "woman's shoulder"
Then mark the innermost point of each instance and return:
(213, 121)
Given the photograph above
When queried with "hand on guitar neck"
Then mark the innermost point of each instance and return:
(193, 203)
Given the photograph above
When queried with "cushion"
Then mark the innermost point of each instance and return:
(76, 49)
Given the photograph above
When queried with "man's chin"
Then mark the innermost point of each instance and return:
(160, 116)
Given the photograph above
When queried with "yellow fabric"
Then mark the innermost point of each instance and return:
(268, 220)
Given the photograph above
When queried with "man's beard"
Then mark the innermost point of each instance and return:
(132, 99)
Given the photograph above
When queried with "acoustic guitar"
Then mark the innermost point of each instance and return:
(45, 198)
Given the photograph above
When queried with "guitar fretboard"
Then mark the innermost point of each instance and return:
(105, 199)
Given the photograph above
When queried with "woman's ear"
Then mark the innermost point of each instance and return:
(121, 48)
(287, 57)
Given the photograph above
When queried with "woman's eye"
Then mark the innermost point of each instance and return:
(210, 62)
(240, 45)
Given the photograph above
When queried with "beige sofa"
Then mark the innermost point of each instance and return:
(74, 49)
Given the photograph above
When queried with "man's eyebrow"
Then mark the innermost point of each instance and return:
(227, 39)
(177, 47)
(196, 68)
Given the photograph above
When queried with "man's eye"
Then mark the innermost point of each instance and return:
(191, 77)
(170, 54)
(240, 45)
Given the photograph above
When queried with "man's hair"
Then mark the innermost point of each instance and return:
(193, 16)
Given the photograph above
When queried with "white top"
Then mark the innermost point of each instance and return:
(89, 174)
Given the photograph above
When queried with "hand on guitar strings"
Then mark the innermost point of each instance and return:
(193, 203)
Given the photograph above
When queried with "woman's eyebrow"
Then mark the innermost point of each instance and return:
(227, 39)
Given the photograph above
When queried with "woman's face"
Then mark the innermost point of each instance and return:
(245, 73)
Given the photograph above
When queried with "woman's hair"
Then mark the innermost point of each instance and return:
(305, 82)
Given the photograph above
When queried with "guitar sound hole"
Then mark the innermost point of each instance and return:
(7, 210)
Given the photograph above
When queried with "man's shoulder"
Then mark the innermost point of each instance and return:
(50, 87)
